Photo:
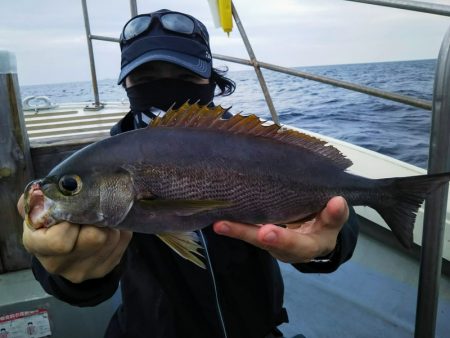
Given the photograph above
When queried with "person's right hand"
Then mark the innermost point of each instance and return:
(75, 252)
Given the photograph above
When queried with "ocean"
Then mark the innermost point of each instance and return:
(390, 128)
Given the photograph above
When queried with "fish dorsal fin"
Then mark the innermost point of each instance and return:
(196, 116)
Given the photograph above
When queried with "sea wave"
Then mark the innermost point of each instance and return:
(393, 129)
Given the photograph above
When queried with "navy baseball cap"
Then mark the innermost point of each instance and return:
(168, 36)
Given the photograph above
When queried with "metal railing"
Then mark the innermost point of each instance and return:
(435, 208)
(411, 101)
(439, 154)
(416, 6)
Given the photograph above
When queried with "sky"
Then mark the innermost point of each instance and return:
(49, 41)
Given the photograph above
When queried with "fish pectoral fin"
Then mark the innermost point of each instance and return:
(185, 244)
(184, 207)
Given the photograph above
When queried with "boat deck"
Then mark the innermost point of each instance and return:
(70, 123)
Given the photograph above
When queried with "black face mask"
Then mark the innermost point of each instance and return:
(165, 93)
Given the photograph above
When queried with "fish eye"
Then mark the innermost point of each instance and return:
(70, 184)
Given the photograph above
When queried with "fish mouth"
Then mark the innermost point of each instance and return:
(38, 207)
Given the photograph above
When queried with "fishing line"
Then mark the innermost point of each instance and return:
(210, 268)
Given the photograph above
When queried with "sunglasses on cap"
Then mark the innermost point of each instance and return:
(171, 21)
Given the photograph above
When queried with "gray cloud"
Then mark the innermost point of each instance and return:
(48, 36)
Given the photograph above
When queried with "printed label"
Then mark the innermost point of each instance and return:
(25, 324)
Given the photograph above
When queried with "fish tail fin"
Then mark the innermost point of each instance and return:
(405, 196)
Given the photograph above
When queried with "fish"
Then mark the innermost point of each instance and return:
(192, 167)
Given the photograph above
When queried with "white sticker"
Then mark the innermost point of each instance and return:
(26, 324)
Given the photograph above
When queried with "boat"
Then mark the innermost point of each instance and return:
(383, 291)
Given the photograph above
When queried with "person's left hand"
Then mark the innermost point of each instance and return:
(299, 243)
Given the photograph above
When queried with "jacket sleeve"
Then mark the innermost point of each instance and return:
(345, 246)
(88, 293)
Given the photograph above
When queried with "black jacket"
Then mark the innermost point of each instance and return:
(165, 296)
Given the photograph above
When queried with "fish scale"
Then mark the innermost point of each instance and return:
(253, 196)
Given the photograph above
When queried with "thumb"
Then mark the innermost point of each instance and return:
(335, 213)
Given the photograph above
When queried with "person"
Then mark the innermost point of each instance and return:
(166, 60)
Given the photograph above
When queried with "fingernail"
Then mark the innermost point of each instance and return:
(223, 228)
(270, 237)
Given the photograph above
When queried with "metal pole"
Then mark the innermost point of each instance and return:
(435, 209)
(104, 38)
(133, 8)
(417, 6)
(254, 62)
(336, 83)
(16, 167)
(97, 104)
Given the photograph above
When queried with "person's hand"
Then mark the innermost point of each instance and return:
(300, 243)
(75, 252)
